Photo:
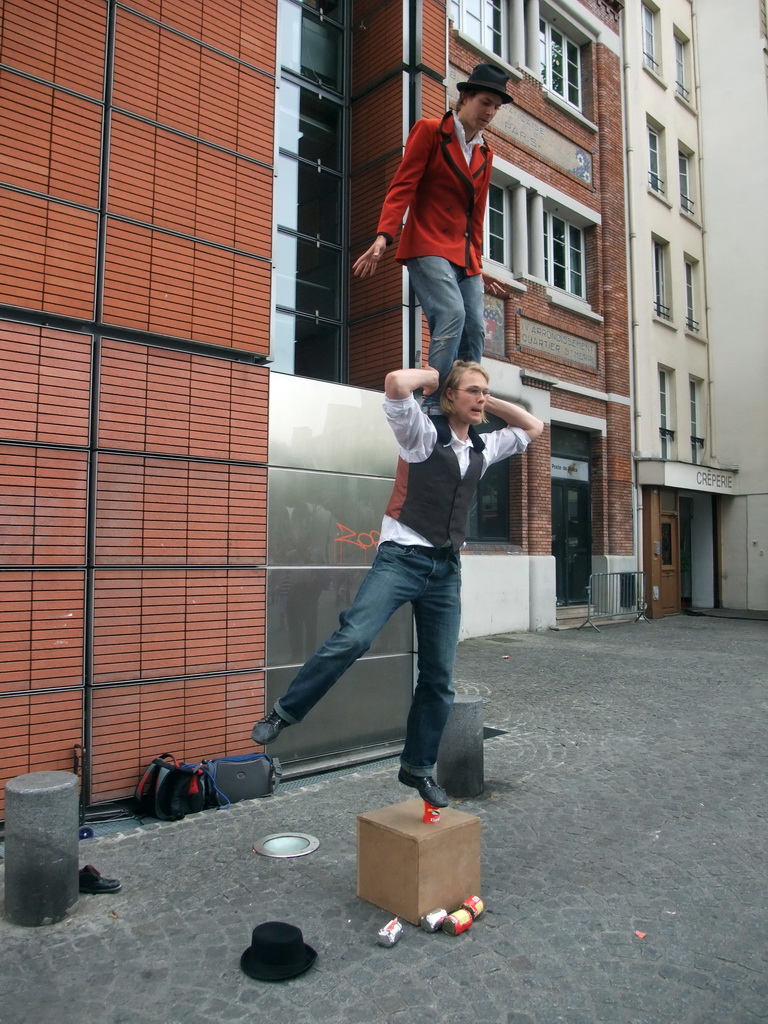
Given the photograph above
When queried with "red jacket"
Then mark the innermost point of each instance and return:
(445, 200)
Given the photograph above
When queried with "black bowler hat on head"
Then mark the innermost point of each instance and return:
(488, 78)
(277, 951)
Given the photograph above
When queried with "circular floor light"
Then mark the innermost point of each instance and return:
(286, 844)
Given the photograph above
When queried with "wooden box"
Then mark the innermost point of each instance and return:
(408, 867)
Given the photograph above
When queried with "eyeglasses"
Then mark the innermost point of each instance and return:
(476, 392)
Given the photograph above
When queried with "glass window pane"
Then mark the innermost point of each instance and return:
(305, 348)
(655, 161)
(570, 443)
(494, 26)
(496, 226)
(473, 20)
(576, 265)
(310, 47)
(648, 32)
(574, 75)
(543, 51)
(558, 253)
(497, 250)
(310, 125)
(307, 276)
(556, 51)
(680, 68)
(308, 200)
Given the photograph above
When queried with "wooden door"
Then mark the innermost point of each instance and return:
(670, 564)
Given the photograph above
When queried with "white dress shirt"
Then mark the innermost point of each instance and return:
(461, 135)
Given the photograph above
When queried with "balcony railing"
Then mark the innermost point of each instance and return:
(650, 61)
(656, 183)
(686, 202)
(692, 325)
(661, 310)
(682, 91)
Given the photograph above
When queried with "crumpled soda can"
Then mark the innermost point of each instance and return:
(474, 905)
(390, 933)
(458, 922)
(432, 922)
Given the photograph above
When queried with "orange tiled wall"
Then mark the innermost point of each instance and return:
(133, 537)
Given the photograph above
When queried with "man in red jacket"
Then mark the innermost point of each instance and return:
(443, 182)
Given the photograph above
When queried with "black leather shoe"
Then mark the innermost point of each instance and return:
(427, 787)
(93, 882)
(267, 729)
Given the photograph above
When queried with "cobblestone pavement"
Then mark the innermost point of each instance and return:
(625, 862)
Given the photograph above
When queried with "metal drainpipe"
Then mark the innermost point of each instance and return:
(633, 324)
(705, 271)
(92, 484)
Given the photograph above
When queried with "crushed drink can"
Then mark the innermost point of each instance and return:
(390, 933)
(474, 905)
(432, 922)
(431, 814)
(458, 922)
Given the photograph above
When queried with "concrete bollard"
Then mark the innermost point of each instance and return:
(460, 764)
(41, 847)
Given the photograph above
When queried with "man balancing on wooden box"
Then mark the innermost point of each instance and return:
(440, 462)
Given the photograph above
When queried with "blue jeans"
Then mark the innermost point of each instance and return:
(452, 302)
(433, 586)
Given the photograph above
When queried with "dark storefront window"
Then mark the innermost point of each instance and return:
(489, 512)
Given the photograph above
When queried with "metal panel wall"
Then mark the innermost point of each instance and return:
(332, 459)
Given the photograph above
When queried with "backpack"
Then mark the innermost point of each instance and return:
(169, 790)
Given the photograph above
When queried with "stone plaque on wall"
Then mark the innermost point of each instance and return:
(534, 134)
(493, 310)
(548, 341)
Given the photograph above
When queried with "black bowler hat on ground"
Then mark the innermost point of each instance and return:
(277, 951)
(488, 78)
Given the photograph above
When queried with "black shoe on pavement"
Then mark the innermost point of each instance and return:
(93, 882)
(267, 729)
(427, 787)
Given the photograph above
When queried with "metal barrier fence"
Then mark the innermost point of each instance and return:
(611, 595)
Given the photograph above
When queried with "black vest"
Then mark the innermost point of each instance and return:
(431, 497)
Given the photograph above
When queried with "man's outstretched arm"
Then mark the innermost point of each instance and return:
(514, 416)
(401, 383)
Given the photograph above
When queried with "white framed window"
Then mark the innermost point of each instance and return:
(564, 255)
(485, 21)
(681, 68)
(697, 441)
(560, 63)
(685, 180)
(650, 48)
(655, 160)
(691, 323)
(497, 229)
(660, 290)
(666, 433)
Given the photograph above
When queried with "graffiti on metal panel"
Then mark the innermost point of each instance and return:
(359, 540)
